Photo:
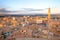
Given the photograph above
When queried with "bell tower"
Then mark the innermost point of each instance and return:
(49, 14)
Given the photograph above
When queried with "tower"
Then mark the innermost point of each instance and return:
(49, 14)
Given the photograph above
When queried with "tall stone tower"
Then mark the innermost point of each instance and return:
(49, 14)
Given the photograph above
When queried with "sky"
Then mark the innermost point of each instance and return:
(30, 6)
(37, 4)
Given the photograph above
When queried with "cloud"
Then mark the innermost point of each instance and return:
(3, 10)
(44, 11)
(55, 10)
(28, 11)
